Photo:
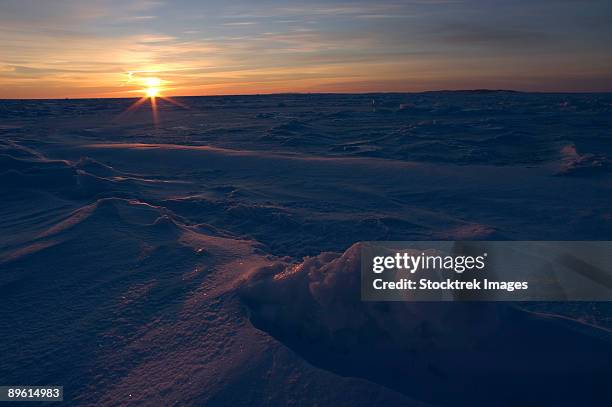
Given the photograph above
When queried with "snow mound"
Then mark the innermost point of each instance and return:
(327, 287)
(24, 168)
(575, 163)
(427, 350)
(107, 212)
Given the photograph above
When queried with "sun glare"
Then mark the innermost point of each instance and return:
(152, 92)
(151, 86)
(152, 82)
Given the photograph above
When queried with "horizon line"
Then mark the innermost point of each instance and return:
(483, 90)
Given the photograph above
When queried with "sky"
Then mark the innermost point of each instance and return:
(111, 48)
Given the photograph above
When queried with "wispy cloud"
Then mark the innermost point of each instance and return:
(75, 48)
(238, 23)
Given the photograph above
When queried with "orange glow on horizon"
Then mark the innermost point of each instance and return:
(152, 91)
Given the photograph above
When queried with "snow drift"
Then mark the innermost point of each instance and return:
(432, 351)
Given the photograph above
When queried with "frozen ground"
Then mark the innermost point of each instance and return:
(164, 263)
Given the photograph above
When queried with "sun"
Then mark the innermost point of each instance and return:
(151, 86)
(152, 92)
(153, 89)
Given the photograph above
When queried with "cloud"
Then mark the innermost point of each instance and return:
(238, 23)
(475, 33)
(398, 45)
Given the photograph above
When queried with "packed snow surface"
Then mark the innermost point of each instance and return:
(212, 258)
